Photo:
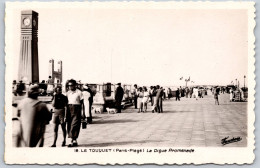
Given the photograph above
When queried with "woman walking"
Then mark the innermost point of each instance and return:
(196, 92)
(145, 99)
(87, 101)
(155, 100)
(140, 96)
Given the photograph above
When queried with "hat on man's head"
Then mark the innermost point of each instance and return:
(119, 83)
(33, 89)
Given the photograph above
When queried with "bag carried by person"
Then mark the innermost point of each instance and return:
(84, 124)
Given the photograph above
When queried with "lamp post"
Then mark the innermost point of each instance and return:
(236, 82)
(244, 81)
(187, 80)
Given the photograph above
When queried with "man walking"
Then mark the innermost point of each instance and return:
(187, 92)
(191, 92)
(119, 93)
(181, 92)
(75, 101)
(151, 92)
(33, 116)
(135, 95)
(159, 95)
(216, 93)
(60, 104)
(169, 93)
(178, 94)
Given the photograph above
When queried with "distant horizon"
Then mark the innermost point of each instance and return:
(147, 85)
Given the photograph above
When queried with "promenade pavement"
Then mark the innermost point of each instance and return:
(185, 123)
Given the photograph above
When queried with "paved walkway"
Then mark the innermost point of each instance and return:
(184, 123)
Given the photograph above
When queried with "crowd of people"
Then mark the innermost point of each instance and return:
(156, 94)
(73, 108)
(69, 110)
(142, 97)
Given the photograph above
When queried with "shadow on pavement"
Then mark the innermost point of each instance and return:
(96, 117)
(128, 111)
(117, 143)
(228, 104)
(178, 111)
(113, 121)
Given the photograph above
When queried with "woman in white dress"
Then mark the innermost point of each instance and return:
(155, 99)
(140, 96)
(86, 102)
(145, 99)
(196, 93)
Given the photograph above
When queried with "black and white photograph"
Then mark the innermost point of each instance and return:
(129, 82)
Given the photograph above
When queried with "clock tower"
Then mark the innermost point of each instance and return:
(28, 62)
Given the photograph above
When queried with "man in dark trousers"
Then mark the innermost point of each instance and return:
(75, 101)
(135, 95)
(119, 93)
(159, 97)
(151, 92)
(178, 94)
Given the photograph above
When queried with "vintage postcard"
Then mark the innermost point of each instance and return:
(129, 83)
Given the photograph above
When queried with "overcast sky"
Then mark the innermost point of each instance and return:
(143, 46)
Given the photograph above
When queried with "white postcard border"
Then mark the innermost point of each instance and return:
(69, 156)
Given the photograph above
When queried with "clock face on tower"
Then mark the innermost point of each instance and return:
(27, 21)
